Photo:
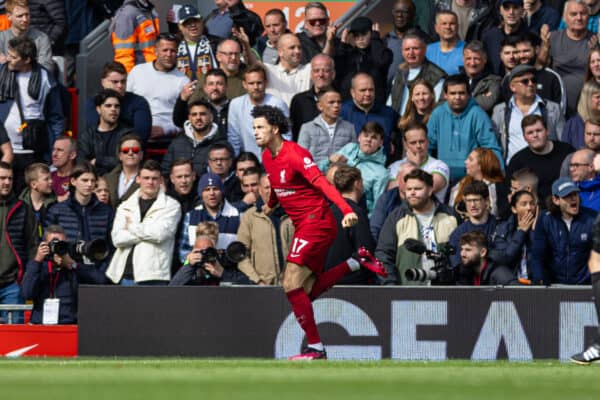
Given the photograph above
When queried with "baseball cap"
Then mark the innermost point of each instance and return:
(186, 12)
(360, 25)
(520, 70)
(209, 179)
(563, 187)
(517, 2)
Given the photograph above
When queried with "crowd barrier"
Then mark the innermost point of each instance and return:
(355, 322)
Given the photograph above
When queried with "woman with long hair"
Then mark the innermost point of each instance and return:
(588, 109)
(420, 106)
(482, 165)
(592, 71)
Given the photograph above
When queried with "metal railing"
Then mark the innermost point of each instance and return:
(14, 307)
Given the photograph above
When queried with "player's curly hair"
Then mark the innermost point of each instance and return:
(273, 115)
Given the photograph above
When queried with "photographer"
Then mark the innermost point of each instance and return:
(204, 265)
(52, 276)
(476, 269)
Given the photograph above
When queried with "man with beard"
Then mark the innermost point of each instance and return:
(476, 268)
(421, 216)
(563, 238)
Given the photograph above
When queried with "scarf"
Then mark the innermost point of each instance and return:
(8, 83)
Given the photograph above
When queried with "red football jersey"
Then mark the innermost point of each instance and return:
(292, 173)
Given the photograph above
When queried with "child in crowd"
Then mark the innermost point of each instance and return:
(38, 194)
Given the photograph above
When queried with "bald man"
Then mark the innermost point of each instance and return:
(581, 170)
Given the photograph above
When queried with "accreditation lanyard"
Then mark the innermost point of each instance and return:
(53, 279)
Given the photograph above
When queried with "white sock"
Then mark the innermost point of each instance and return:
(353, 264)
(316, 346)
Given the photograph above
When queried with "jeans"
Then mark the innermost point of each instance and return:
(11, 294)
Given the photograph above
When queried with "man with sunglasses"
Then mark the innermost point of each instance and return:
(316, 36)
(507, 116)
(121, 181)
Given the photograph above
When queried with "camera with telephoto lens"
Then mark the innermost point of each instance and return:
(228, 258)
(93, 250)
(441, 273)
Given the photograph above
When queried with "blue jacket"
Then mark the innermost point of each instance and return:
(382, 114)
(488, 229)
(455, 136)
(386, 203)
(507, 246)
(36, 286)
(560, 255)
(590, 193)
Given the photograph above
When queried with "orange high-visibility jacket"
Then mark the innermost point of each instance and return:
(133, 33)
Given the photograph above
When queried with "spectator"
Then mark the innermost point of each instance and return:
(82, 215)
(537, 14)
(49, 17)
(182, 185)
(468, 11)
(591, 139)
(458, 126)
(507, 116)
(135, 110)
(415, 146)
(6, 151)
(476, 198)
(327, 133)
(403, 18)
(102, 191)
(220, 162)
(569, 50)
(144, 233)
(588, 109)
(168, 84)
(476, 268)
(592, 72)
(415, 66)
(229, 57)
(563, 238)
(268, 239)
(22, 79)
(587, 180)
(246, 21)
(482, 165)
(366, 155)
(422, 217)
(134, 33)
(512, 24)
(249, 184)
(362, 108)
(20, 19)
(233, 182)
(122, 180)
(266, 46)
(509, 56)
(592, 24)
(99, 144)
(53, 276)
(240, 132)
(37, 195)
(303, 107)
(218, 22)
(524, 179)
(447, 52)
(200, 132)
(390, 199)
(484, 86)
(194, 54)
(214, 208)
(214, 91)
(197, 270)
(514, 237)
(315, 36)
(64, 153)
(361, 50)
(542, 155)
(420, 106)
(348, 182)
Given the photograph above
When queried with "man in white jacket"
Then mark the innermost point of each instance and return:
(144, 233)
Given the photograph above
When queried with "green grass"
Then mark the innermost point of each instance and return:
(45, 379)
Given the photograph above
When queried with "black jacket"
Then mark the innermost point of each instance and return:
(493, 275)
(49, 17)
(102, 146)
(20, 230)
(303, 108)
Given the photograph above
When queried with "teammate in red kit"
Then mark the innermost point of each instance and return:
(302, 190)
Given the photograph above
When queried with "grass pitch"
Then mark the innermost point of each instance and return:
(89, 379)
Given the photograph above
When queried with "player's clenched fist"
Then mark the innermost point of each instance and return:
(349, 220)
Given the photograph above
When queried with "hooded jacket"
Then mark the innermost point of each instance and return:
(589, 192)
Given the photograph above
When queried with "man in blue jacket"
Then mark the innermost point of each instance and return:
(563, 238)
(458, 126)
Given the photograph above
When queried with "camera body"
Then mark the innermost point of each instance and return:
(228, 258)
(93, 250)
(441, 273)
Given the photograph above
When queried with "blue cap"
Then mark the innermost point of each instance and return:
(209, 179)
(563, 187)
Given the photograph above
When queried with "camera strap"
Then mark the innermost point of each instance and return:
(53, 278)
(51, 304)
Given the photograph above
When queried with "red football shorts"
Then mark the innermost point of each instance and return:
(311, 242)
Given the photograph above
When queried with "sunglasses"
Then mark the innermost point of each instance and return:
(320, 21)
(527, 81)
(126, 150)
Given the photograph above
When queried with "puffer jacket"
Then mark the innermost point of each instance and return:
(315, 138)
(49, 17)
(508, 244)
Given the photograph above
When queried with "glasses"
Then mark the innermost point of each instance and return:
(527, 81)
(320, 21)
(229, 53)
(126, 150)
(217, 160)
(577, 165)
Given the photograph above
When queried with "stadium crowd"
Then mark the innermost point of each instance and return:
(476, 129)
